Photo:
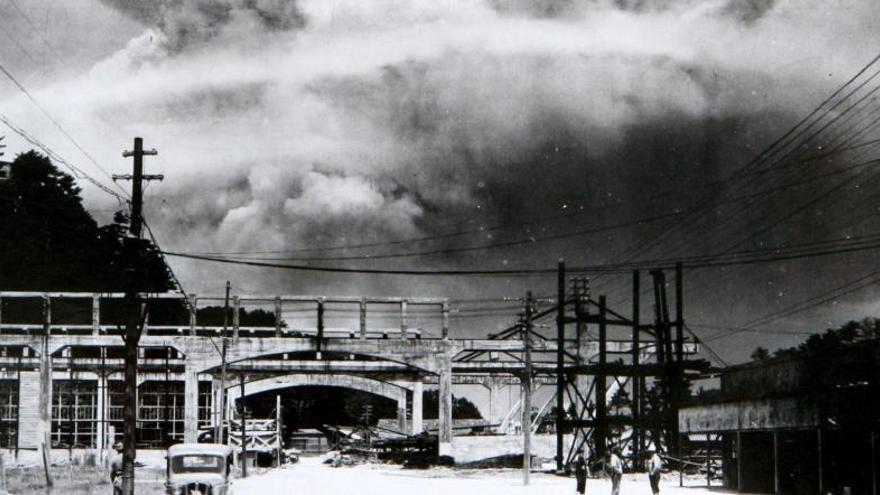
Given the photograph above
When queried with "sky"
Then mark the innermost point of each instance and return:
(284, 128)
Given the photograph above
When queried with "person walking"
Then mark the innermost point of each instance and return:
(614, 468)
(580, 473)
(655, 465)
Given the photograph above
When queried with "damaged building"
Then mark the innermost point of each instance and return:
(805, 421)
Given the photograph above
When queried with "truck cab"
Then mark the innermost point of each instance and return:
(198, 469)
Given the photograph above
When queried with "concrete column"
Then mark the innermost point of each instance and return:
(193, 304)
(190, 403)
(236, 317)
(216, 403)
(417, 424)
(278, 316)
(30, 433)
(445, 409)
(401, 411)
(497, 408)
(404, 319)
(362, 310)
(444, 308)
(775, 462)
(101, 412)
(96, 314)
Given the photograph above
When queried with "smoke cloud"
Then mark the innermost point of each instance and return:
(288, 125)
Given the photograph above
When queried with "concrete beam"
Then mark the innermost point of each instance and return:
(376, 387)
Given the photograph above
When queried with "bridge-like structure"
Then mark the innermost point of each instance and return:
(61, 361)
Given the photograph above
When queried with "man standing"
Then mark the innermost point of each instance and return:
(614, 468)
(655, 465)
(116, 468)
(580, 473)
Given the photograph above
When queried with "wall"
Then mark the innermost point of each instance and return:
(747, 415)
(475, 448)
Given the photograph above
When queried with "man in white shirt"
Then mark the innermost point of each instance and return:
(116, 468)
(614, 468)
(655, 465)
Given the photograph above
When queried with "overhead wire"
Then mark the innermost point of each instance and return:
(793, 146)
(39, 34)
(77, 172)
(783, 142)
(57, 124)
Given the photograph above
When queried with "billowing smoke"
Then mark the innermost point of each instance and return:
(289, 125)
(187, 23)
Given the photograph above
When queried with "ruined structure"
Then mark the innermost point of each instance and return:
(799, 423)
(61, 365)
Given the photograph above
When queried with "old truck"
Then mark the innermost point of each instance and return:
(198, 469)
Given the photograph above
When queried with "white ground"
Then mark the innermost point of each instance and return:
(313, 478)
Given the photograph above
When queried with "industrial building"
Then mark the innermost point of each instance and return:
(802, 422)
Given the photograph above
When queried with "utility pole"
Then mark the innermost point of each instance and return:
(241, 415)
(134, 321)
(220, 436)
(560, 357)
(527, 391)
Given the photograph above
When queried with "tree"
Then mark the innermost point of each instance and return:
(760, 354)
(461, 407)
(48, 241)
(212, 316)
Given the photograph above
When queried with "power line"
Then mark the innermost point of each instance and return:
(36, 31)
(77, 172)
(727, 259)
(785, 141)
(55, 122)
(706, 346)
(806, 305)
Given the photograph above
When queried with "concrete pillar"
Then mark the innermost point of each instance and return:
(30, 433)
(775, 462)
(417, 424)
(444, 308)
(236, 317)
(278, 316)
(96, 314)
(101, 412)
(404, 319)
(193, 304)
(401, 411)
(497, 407)
(362, 310)
(445, 409)
(216, 403)
(190, 403)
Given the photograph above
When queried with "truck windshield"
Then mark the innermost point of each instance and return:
(195, 463)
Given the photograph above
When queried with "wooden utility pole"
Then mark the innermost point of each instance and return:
(46, 390)
(135, 319)
(278, 429)
(220, 436)
(560, 361)
(241, 416)
(600, 431)
(527, 392)
(637, 431)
